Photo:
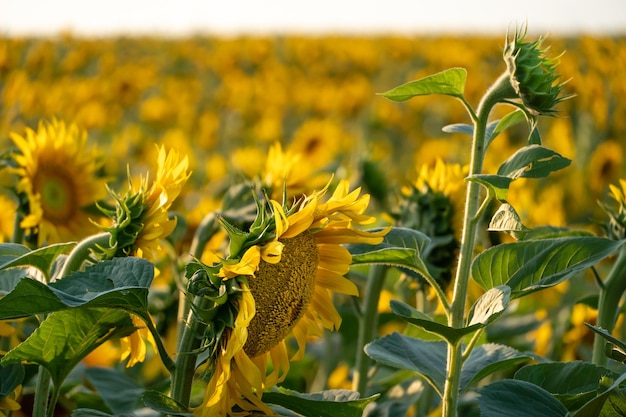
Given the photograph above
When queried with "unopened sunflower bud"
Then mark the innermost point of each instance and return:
(533, 75)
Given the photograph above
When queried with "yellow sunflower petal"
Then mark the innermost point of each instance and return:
(336, 282)
(248, 264)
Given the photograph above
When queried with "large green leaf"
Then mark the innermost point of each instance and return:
(533, 161)
(486, 359)
(65, 337)
(41, 258)
(450, 82)
(528, 266)
(401, 247)
(572, 383)
(119, 392)
(330, 403)
(11, 251)
(118, 283)
(512, 398)
(9, 278)
(404, 352)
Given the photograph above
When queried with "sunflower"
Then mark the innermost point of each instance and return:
(58, 176)
(434, 205)
(141, 217)
(280, 280)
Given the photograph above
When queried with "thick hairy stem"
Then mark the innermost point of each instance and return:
(500, 90)
(608, 305)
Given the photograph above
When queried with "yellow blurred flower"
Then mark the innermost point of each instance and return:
(606, 165)
(287, 282)
(58, 175)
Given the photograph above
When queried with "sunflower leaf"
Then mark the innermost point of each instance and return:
(401, 247)
(450, 82)
(533, 161)
(118, 283)
(404, 352)
(486, 359)
(528, 266)
(118, 391)
(65, 337)
(501, 125)
(512, 398)
(10, 377)
(497, 184)
(572, 383)
(423, 321)
(41, 258)
(330, 403)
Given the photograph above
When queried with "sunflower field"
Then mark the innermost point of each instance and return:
(313, 226)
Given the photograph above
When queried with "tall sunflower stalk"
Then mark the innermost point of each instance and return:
(531, 85)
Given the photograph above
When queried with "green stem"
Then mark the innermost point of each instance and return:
(608, 305)
(500, 90)
(191, 326)
(367, 325)
(42, 390)
(53, 401)
(189, 343)
(18, 232)
(82, 251)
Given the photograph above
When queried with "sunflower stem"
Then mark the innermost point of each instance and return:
(500, 91)
(367, 325)
(18, 232)
(42, 391)
(188, 344)
(608, 305)
(82, 251)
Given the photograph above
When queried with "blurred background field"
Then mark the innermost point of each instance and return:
(225, 100)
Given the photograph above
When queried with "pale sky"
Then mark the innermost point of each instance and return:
(183, 17)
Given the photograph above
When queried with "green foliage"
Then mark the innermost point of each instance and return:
(331, 403)
(450, 82)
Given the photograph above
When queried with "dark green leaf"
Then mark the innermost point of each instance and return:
(600, 405)
(41, 258)
(549, 232)
(497, 184)
(399, 351)
(86, 412)
(486, 359)
(401, 247)
(330, 403)
(10, 377)
(528, 266)
(118, 283)
(416, 317)
(533, 161)
(119, 392)
(65, 337)
(164, 404)
(512, 398)
(450, 82)
(572, 383)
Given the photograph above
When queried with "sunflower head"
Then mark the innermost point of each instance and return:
(276, 282)
(533, 75)
(615, 227)
(140, 218)
(58, 181)
(434, 206)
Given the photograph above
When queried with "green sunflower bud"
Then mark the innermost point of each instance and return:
(532, 75)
